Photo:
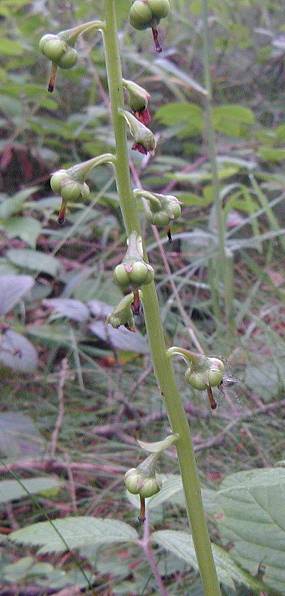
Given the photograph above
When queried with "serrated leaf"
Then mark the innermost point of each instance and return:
(18, 570)
(34, 260)
(159, 446)
(17, 352)
(181, 544)
(120, 339)
(11, 490)
(67, 307)
(253, 521)
(12, 289)
(76, 532)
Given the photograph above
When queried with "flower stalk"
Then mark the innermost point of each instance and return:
(162, 365)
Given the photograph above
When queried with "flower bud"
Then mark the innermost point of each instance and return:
(58, 179)
(159, 8)
(150, 487)
(140, 15)
(143, 480)
(216, 372)
(205, 372)
(73, 191)
(198, 380)
(138, 101)
(122, 314)
(133, 270)
(134, 274)
(71, 188)
(144, 139)
(133, 481)
(138, 96)
(160, 209)
(69, 59)
(53, 47)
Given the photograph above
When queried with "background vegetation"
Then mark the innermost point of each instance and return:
(75, 398)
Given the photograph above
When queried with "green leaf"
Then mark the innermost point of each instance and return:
(11, 490)
(233, 119)
(181, 544)
(120, 339)
(14, 204)
(26, 228)
(187, 115)
(18, 570)
(254, 521)
(34, 260)
(9, 47)
(17, 352)
(159, 446)
(76, 532)
(12, 290)
(272, 154)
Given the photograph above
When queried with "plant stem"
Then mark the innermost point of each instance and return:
(162, 367)
(221, 265)
(115, 83)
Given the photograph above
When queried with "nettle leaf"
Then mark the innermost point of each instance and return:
(67, 307)
(120, 339)
(34, 260)
(254, 521)
(12, 289)
(75, 532)
(181, 544)
(17, 352)
(159, 445)
(233, 119)
(11, 490)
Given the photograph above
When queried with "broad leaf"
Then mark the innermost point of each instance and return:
(10, 490)
(26, 228)
(181, 544)
(72, 309)
(12, 289)
(254, 521)
(17, 352)
(34, 260)
(14, 204)
(233, 119)
(188, 116)
(74, 532)
(120, 339)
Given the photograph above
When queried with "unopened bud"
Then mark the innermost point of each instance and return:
(122, 314)
(144, 139)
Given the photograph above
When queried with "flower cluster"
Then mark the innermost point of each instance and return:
(147, 13)
(133, 271)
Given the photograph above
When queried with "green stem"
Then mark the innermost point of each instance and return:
(162, 367)
(221, 262)
(115, 83)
